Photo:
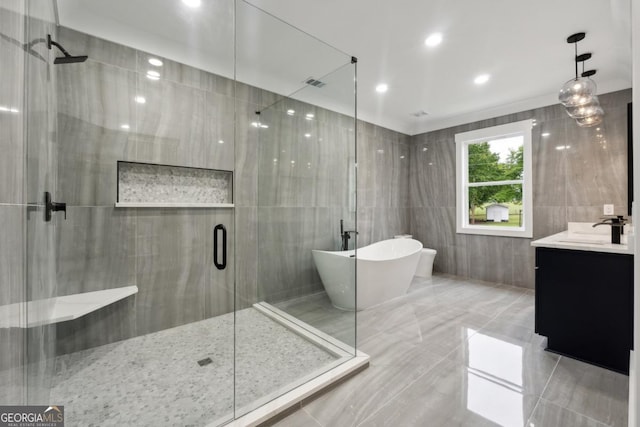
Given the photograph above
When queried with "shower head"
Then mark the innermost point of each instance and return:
(67, 58)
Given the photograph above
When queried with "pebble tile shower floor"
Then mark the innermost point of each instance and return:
(155, 379)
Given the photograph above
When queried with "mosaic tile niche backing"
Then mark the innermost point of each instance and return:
(150, 183)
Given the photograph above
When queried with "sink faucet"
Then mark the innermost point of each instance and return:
(345, 235)
(617, 227)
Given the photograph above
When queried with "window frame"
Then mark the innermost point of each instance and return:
(462, 141)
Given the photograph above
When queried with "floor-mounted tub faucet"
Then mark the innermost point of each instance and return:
(345, 235)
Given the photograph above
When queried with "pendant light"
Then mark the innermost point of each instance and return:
(580, 90)
(592, 113)
(584, 110)
(578, 95)
(589, 121)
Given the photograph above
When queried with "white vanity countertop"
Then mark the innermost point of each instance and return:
(579, 237)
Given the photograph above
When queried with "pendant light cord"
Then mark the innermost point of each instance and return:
(575, 58)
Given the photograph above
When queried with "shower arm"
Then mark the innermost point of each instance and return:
(51, 42)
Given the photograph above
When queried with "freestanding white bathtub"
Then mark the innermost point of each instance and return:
(385, 270)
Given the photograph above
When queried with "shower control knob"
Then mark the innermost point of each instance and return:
(50, 206)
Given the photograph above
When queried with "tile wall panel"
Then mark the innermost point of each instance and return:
(569, 184)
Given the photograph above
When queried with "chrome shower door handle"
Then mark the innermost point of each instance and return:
(220, 265)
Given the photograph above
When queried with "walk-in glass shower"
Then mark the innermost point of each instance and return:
(160, 202)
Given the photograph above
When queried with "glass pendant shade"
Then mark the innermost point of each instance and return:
(577, 92)
(589, 121)
(589, 109)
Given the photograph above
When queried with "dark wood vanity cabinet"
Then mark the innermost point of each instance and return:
(584, 305)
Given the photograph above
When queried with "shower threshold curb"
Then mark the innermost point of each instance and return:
(283, 404)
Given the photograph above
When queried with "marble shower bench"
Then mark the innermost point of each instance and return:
(60, 309)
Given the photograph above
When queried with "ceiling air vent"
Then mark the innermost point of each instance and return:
(420, 113)
(313, 82)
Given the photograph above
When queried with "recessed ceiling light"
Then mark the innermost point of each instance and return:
(382, 88)
(293, 162)
(264, 126)
(546, 134)
(291, 112)
(192, 3)
(424, 148)
(3, 108)
(307, 135)
(275, 160)
(155, 62)
(482, 79)
(433, 40)
(562, 147)
(402, 157)
(140, 99)
(125, 126)
(220, 141)
(309, 116)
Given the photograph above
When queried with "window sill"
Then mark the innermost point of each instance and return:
(493, 230)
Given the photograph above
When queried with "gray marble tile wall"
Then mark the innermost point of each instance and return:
(568, 185)
(383, 183)
(186, 119)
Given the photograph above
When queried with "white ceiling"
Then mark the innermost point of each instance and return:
(521, 44)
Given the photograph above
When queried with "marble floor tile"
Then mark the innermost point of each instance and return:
(298, 419)
(522, 311)
(547, 414)
(457, 352)
(353, 401)
(452, 394)
(513, 353)
(441, 330)
(589, 390)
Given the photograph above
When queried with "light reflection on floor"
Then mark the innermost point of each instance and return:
(495, 379)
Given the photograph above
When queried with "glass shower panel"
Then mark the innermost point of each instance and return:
(306, 196)
(144, 145)
(40, 177)
(297, 123)
(12, 204)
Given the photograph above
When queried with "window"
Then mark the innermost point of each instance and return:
(493, 168)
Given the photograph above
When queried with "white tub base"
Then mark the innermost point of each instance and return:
(425, 265)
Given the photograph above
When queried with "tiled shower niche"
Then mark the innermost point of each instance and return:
(154, 185)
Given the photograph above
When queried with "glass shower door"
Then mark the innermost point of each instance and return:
(154, 341)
